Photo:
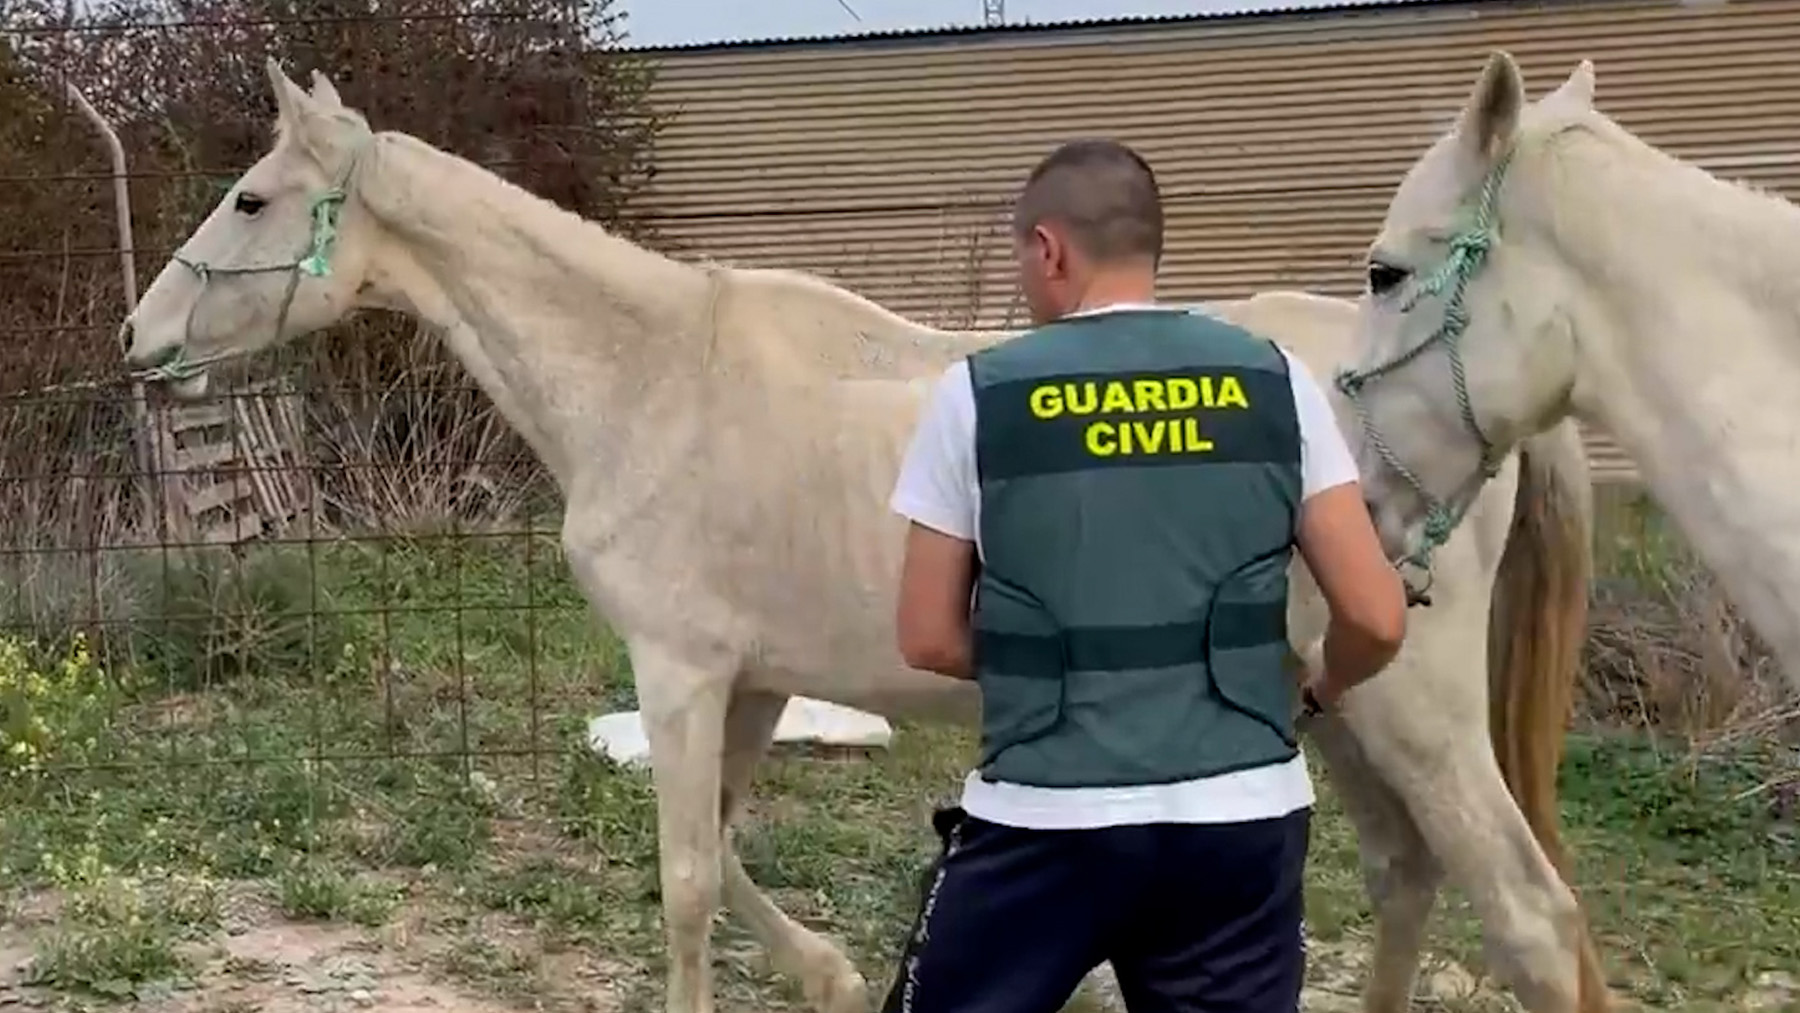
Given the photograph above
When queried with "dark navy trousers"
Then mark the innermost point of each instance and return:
(1195, 918)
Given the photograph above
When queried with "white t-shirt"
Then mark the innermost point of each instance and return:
(938, 489)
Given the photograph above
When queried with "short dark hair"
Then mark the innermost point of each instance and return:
(1103, 192)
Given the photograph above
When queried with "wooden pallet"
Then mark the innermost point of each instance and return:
(235, 464)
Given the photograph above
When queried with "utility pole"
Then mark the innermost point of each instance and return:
(993, 12)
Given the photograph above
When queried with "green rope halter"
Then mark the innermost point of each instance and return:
(1469, 249)
(321, 245)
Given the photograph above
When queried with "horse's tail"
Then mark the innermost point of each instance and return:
(1535, 638)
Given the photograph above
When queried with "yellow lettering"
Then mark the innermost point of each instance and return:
(1101, 442)
(1149, 395)
(1231, 394)
(1150, 437)
(1183, 393)
(1137, 435)
(1191, 438)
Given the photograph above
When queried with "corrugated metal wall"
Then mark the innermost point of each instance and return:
(887, 164)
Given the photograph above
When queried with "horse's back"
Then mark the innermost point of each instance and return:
(1317, 329)
(801, 328)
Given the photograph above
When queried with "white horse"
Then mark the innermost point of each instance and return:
(1538, 262)
(725, 440)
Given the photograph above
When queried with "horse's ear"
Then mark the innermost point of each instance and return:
(290, 101)
(317, 125)
(1491, 116)
(1578, 90)
(324, 93)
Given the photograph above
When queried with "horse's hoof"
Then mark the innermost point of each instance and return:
(840, 993)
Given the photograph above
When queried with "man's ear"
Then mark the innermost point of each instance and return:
(1056, 251)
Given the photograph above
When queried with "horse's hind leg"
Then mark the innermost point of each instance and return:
(1399, 872)
(829, 979)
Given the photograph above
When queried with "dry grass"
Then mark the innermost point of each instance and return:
(409, 445)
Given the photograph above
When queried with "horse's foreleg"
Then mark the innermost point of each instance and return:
(1423, 731)
(829, 979)
(1531, 920)
(683, 706)
(1399, 872)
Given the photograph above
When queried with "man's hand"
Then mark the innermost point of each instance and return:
(1316, 692)
(936, 581)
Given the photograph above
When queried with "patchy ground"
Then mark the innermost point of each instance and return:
(264, 962)
(360, 780)
(536, 925)
(259, 960)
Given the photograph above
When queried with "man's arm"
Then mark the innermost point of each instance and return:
(1361, 589)
(1336, 537)
(936, 491)
(935, 584)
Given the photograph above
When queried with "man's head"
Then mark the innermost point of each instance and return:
(1087, 227)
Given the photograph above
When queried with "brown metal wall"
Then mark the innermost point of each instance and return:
(886, 164)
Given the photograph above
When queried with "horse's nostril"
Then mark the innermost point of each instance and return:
(125, 338)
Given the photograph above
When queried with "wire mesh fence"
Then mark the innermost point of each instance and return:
(325, 608)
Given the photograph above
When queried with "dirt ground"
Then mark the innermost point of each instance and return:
(440, 955)
(263, 963)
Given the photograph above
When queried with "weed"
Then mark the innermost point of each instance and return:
(311, 890)
(222, 614)
(54, 706)
(117, 934)
(497, 968)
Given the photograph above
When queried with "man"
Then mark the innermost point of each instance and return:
(1120, 490)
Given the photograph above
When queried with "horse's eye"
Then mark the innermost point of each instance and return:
(1384, 278)
(250, 205)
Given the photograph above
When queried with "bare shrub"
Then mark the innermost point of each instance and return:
(397, 434)
(405, 443)
(1668, 651)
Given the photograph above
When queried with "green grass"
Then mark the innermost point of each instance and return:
(419, 775)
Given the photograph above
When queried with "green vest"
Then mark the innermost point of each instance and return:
(1140, 487)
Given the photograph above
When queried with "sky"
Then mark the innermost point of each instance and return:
(668, 22)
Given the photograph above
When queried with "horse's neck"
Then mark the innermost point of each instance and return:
(579, 336)
(1695, 376)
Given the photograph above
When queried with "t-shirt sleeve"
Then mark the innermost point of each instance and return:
(937, 486)
(1325, 458)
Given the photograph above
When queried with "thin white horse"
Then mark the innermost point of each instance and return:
(1538, 262)
(725, 440)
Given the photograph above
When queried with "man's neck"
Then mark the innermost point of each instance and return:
(1123, 288)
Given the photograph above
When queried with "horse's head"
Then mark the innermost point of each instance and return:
(283, 254)
(1464, 343)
